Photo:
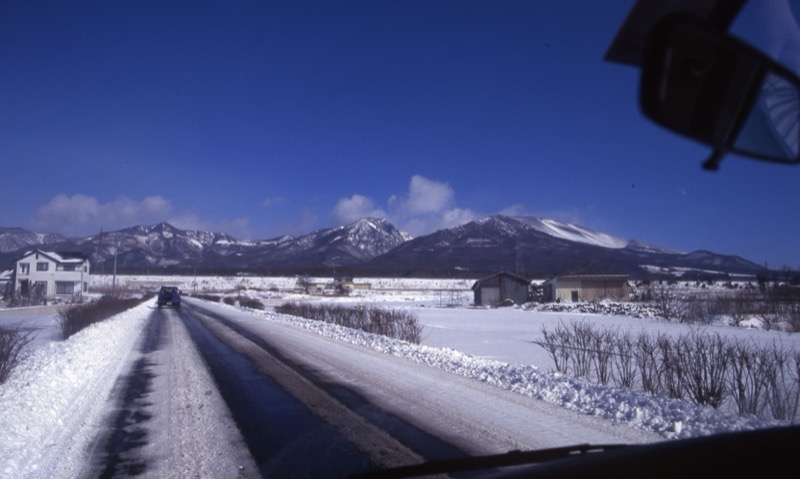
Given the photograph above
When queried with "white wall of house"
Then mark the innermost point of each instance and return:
(59, 277)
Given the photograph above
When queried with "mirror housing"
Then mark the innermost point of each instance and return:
(713, 88)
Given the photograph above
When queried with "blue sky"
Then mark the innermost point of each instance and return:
(268, 118)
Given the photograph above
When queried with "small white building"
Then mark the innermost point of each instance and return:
(51, 275)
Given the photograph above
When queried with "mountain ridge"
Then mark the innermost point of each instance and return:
(373, 246)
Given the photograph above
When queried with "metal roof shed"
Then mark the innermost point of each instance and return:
(499, 287)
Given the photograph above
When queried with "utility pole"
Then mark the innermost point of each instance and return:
(114, 279)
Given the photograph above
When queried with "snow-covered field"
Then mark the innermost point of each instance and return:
(59, 383)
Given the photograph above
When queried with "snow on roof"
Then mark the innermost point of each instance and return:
(63, 257)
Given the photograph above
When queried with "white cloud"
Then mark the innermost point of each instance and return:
(427, 207)
(348, 210)
(427, 196)
(81, 214)
(514, 210)
(457, 217)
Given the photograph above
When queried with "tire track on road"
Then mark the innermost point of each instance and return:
(354, 436)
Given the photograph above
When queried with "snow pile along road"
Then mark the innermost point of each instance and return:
(56, 389)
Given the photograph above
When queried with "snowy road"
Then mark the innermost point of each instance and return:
(394, 410)
(213, 391)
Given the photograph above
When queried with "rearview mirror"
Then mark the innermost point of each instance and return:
(717, 90)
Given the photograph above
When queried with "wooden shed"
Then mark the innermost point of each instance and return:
(587, 287)
(499, 287)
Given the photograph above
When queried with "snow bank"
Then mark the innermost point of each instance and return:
(56, 386)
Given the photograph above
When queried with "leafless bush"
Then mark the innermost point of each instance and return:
(248, 302)
(746, 383)
(701, 311)
(669, 368)
(703, 360)
(557, 344)
(791, 315)
(624, 360)
(782, 383)
(77, 317)
(648, 364)
(603, 345)
(701, 367)
(669, 301)
(398, 324)
(582, 348)
(12, 341)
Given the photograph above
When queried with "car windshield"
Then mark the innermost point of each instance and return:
(320, 239)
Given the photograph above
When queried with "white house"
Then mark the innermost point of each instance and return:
(53, 275)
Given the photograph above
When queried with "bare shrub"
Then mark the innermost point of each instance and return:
(624, 361)
(12, 341)
(669, 367)
(582, 344)
(791, 317)
(603, 347)
(398, 324)
(781, 379)
(701, 311)
(669, 302)
(77, 317)
(703, 367)
(648, 364)
(746, 382)
(556, 343)
(252, 303)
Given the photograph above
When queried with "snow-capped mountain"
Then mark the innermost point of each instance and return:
(540, 248)
(13, 239)
(535, 247)
(162, 245)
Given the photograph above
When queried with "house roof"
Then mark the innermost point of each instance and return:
(595, 277)
(511, 276)
(67, 257)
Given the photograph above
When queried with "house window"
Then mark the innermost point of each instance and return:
(69, 267)
(42, 266)
(65, 287)
(24, 268)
